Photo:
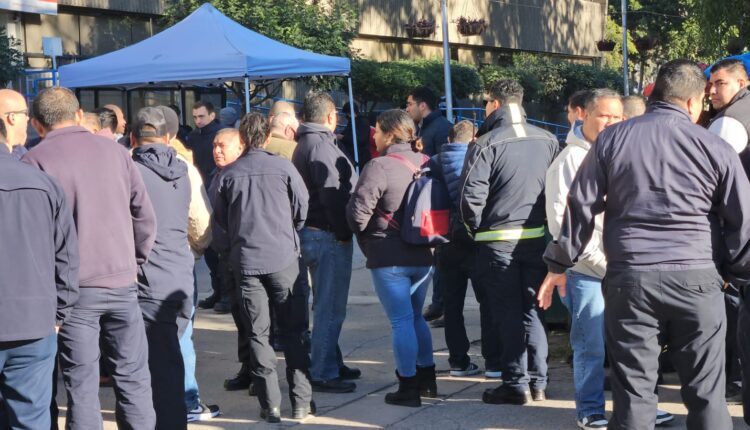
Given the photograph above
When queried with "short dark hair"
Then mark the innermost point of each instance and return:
(678, 81)
(462, 132)
(254, 130)
(3, 132)
(54, 106)
(425, 95)
(600, 93)
(317, 106)
(579, 98)
(107, 118)
(731, 65)
(506, 91)
(201, 104)
(633, 106)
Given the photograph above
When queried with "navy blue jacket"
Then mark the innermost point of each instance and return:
(168, 273)
(434, 132)
(448, 165)
(329, 176)
(39, 252)
(201, 142)
(674, 197)
(261, 202)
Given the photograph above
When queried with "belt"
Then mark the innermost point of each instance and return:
(509, 234)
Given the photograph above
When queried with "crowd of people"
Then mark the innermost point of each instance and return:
(649, 215)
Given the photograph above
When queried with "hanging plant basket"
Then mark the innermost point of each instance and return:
(643, 44)
(471, 27)
(606, 45)
(420, 28)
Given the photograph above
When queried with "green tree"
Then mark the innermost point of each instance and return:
(391, 81)
(11, 59)
(325, 27)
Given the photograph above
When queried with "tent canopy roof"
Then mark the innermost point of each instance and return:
(205, 48)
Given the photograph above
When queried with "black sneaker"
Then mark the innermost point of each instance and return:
(663, 418)
(593, 422)
(336, 385)
(208, 302)
(241, 381)
(222, 307)
(470, 370)
(538, 395)
(506, 395)
(734, 394)
(432, 313)
(349, 373)
(203, 412)
(438, 322)
(271, 415)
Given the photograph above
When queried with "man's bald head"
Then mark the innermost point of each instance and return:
(279, 107)
(14, 113)
(285, 124)
(121, 123)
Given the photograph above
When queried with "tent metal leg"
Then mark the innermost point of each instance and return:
(354, 123)
(247, 94)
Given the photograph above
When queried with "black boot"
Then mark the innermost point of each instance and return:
(407, 394)
(241, 381)
(427, 382)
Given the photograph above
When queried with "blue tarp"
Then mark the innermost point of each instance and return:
(206, 47)
(744, 57)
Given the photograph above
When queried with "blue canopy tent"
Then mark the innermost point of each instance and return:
(745, 58)
(205, 48)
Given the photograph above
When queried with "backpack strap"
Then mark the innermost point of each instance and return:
(405, 161)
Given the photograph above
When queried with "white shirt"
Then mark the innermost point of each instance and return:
(732, 131)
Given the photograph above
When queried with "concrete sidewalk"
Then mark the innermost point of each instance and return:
(366, 344)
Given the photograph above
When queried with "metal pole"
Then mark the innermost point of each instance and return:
(247, 94)
(625, 46)
(354, 124)
(447, 63)
(54, 70)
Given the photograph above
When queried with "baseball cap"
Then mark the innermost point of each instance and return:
(150, 122)
(173, 123)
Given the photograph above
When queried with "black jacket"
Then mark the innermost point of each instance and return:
(168, 273)
(502, 184)
(434, 132)
(201, 142)
(39, 252)
(490, 123)
(261, 202)
(329, 176)
(380, 193)
(363, 140)
(674, 197)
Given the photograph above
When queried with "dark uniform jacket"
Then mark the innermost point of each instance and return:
(201, 142)
(675, 197)
(38, 255)
(379, 195)
(434, 132)
(502, 185)
(739, 109)
(114, 218)
(329, 176)
(168, 274)
(261, 202)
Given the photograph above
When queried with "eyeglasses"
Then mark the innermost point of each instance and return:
(485, 101)
(18, 112)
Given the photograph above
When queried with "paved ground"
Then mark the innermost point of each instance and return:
(366, 344)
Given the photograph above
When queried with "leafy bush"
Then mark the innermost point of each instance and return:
(391, 81)
(549, 82)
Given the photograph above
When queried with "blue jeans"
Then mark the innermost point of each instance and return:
(402, 290)
(25, 382)
(585, 302)
(192, 394)
(330, 264)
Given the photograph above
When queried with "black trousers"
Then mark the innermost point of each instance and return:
(115, 313)
(510, 274)
(732, 306)
(212, 261)
(235, 302)
(290, 306)
(743, 341)
(454, 263)
(688, 306)
(165, 322)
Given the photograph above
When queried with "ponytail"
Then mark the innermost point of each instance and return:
(416, 144)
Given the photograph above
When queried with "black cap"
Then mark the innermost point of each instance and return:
(173, 123)
(150, 122)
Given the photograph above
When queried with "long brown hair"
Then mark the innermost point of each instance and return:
(399, 124)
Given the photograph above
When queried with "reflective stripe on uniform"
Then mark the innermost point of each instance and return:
(509, 234)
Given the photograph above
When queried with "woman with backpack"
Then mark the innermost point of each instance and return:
(401, 272)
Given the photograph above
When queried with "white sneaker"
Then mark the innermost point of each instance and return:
(663, 417)
(493, 374)
(471, 369)
(203, 412)
(593, 422)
